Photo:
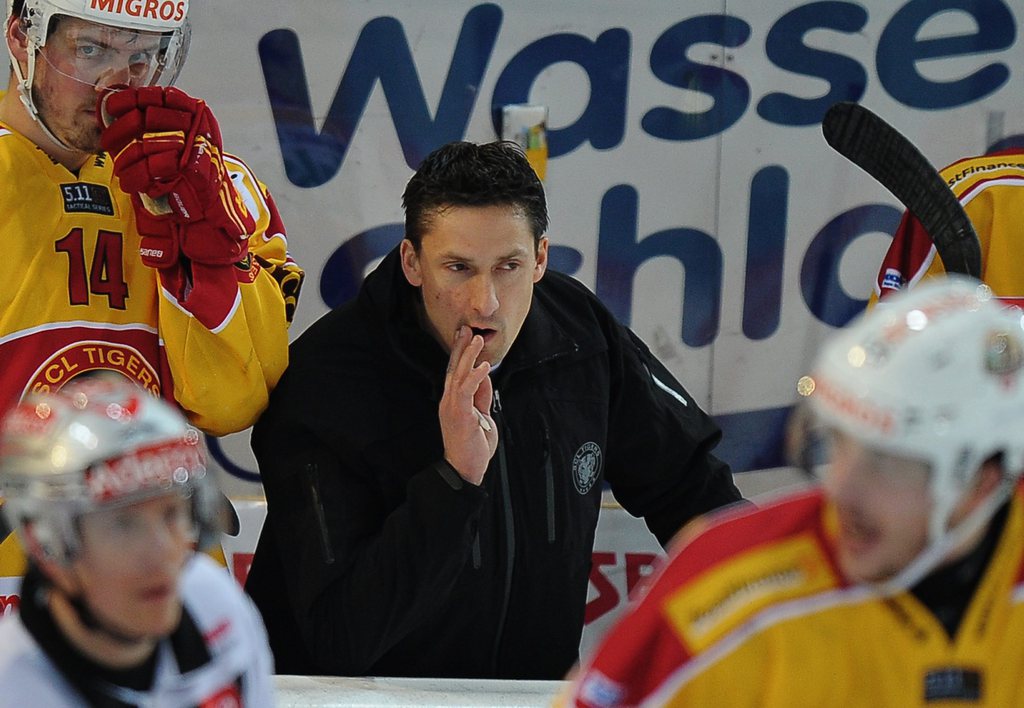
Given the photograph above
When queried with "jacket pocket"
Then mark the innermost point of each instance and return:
(316, 503)
(549, 486)
(571, 437)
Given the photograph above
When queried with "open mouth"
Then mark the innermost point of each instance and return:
(158, 593)
(484, 332)
(857, 536)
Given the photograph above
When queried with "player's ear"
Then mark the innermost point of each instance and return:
(52, 567)
(17, 40)
(411, 263)
(61, 576)
(989, 476)
(541, 265)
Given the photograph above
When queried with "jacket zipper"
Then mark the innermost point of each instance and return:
(549, 484)
(510, 532)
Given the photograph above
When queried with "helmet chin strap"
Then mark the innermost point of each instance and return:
(85, 616)
(25, 94)
(26, 99)
(93, 623)
(937, 550)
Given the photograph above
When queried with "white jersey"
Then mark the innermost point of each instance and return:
(231, 665)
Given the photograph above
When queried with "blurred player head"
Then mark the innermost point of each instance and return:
(107, 488)
(475, 218)
(915, 421)
(65, 53)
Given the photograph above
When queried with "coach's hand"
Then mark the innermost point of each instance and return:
(469, 432)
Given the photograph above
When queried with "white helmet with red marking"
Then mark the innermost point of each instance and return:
(935, 373)
(165, 22)
(99, 442)
(144, 15)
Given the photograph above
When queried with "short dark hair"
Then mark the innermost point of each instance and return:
(466, 174)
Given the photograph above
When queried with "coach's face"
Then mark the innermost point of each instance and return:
(476, 266)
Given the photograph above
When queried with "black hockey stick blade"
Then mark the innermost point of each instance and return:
(887, 155)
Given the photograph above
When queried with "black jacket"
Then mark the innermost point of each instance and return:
(377, 560)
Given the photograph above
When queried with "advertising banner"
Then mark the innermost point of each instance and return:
(688, 181)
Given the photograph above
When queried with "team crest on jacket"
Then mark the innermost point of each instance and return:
(586, 466)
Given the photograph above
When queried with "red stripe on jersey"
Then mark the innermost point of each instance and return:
(982, 184)
(736, 531)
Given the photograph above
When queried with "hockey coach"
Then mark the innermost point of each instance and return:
(434, 456)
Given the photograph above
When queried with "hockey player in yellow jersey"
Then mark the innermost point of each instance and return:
(991, 190)
(133, 243)
(897, 582)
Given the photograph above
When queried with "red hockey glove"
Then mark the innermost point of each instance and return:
(167, 153)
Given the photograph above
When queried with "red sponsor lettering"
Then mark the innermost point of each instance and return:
(165, 10)
(227, 697)
(953, 302)
(106, 5)
(639, 566)
(604, 565)
(9, 604)
(149, 467)
(607, 595)
(853, 407)
(27, 421)
(215, 634)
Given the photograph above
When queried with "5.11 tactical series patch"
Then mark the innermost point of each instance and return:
(952, 684)
(85, 197)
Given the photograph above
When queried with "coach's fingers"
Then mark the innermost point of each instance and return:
(459, 342)
(462, 363)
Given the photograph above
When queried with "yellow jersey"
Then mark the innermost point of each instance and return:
(991, 190)
(78, 299)
(753, 611)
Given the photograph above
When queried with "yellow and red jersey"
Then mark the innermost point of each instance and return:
(76, 297)
(753, 611)
(991, 190)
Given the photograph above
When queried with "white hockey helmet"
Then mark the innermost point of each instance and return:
(168, 18)
(143, 15)
(935, 373)
(98, 443)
